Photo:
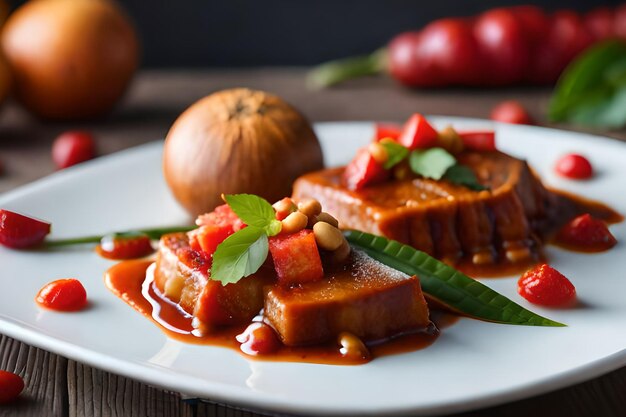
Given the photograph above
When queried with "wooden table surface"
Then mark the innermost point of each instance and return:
(56, 386)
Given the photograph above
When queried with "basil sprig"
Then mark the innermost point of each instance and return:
(592, 89)
(243, 252)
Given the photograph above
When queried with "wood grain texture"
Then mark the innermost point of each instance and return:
(58, 387)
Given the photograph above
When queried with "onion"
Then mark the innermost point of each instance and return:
(71, 59)
(237, 141)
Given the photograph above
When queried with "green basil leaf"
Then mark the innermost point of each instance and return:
(462, 175)
(251, 209)
(240, 255)
(591, 89)
(431, 163)
(396, 153)
(445, 284)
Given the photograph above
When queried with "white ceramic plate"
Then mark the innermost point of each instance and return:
(473, 364)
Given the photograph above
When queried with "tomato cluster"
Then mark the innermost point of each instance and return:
(502, 46)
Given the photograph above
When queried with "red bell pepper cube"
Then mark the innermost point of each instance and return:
(364, 170)
(386, 130)
(417, 133)
(479, 140)
(296, 258)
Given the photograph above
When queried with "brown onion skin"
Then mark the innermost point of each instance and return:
(72, 59)
(237, 141)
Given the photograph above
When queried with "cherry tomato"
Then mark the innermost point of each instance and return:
(544, 285)
(258, 339)
(386, 130)
(479, 140)
(599, 23)
(503, 47)
(418, 133)
(619, 21)
(404, 65)
(18, 231)
(511, 111)
(363, 170)
(11, 386)
(63, 295)
(448, 53)
(574, 166)
(129, 246)
(72, 148)
(534, 23)
(587, 234)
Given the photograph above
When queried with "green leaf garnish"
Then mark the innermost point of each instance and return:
(445, 284)
(592, 89)
(431, 163)
(396, 153)
(462, 175)
(240, 255)
(254, 211)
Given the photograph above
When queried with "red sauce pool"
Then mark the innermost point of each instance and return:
(132, 281)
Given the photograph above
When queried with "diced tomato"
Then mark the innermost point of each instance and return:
(193, 259)
(214, 228)
(11, 386)
(296, 258)
(387, 130)
(63, 295)
(18, 231)
(544, 285)
(574, 166)
(418, 133)
(479, 140)
(258, 339)
(364, 170)
(125, 247)
(222, 305)
(586, 234)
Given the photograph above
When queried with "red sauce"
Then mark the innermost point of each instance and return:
(120, 248)
(132, 281)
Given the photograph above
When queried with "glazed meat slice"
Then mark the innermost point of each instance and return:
(181, 275)
(448, 221)
(368, 299)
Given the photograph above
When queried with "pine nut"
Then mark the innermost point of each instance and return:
(295, 222)
(285, 205)
(327, 237)
(310, 207)
(352, 347)
(378, 152)
(326, 218)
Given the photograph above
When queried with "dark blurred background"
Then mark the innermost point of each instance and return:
(201, 33)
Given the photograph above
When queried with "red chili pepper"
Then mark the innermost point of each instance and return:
(479, 140)
(125, 246)
(71, 148)
(258, 339)
(63, 295)
(363, 170)
(417, 133)
(574, 166)
(11, 386)
(18, 231)
(544, 285)
(587, 234)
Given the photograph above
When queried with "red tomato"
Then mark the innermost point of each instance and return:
(511, 111)
(534, 23)
(258, 339)
(125, 247)
(11, 386)
(193, 259)
(574, 166)
(619, 21)
(386, 130)
(503, 47)
(418, 133)
(296, 258)
(479, 140)
(404, 65)
(63, 295)
(363, 170)
(18, 231)
(544, 285)
(599, 23)
(587, 234)
(72, 148)
(448, 53)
